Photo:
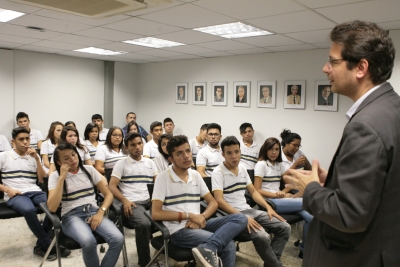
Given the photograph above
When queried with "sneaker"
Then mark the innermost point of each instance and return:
(37, 250)
(300, 256)
(64, 252)
(205, 257)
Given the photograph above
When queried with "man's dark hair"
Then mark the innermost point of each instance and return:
(155, 124)
(96, 117)
(21, 115)
(168, 120)
(366, 40)
(16, 131)
(269, 144)
(131, 136)
(228, 141)
(175, 141)
(213, 126)
(244, 126)
(204, 126)
(288, 137)
(127, 115)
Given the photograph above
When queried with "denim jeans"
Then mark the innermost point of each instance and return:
(269, 251)
(74, 226)
(217, 236)
(294, 206)
(142, 226)
(24, 204)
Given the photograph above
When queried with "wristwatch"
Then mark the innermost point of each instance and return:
(103, 209)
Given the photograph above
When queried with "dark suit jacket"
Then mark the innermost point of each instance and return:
(356, 213)
(322, 102)
(244, 100)
(201, 98)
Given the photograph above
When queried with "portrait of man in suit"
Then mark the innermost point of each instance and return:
(293, 94)
(218, 94)
(241, 94)
(199, 93)
(265, 95)
(325, 97)
(355, 203)
(181, 93)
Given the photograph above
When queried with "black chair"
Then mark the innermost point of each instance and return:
(162, 244)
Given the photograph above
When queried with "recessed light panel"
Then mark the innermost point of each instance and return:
(233, 30)
(100, 51)
(7, 15)
(153, 42)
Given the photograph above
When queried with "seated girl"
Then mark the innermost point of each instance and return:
(92, 141)
(48, 146)
(292, 156)
(161, 160)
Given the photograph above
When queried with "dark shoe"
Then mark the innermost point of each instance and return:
(37, 250)
(300, 256)
(63, 251)
(205, 257)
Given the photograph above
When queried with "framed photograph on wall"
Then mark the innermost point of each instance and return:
(266, 94)
(241, 96)
(219, 93)
(181, 96)
(199, 93)
(324, 98)
(294, 94)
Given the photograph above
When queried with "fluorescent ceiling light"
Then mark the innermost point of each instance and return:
(233, 30)
(7, 15)
(100, 51)
(153, 42)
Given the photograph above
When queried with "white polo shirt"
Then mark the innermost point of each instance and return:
(134, 177)
(249, 155)
(18, 172)
(109, 157)
(150, 149)
(271, 175)
(161, 163)
(83, 153)
(92, 149)
(4, 144)
(79, 188)
(179, 196)
(210, 158)
(232, 186)
(47, 148)
(286, 164)
(195, 147)
(35, 136)
(103, 134)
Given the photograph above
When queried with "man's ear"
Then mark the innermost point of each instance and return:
(362, 68)
(170, 159)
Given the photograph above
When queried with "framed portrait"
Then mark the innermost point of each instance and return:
(241, 94)
(199, 93)
(294, 94)
(266, 94)
(324, 98)
(219, 93)
(181, 96)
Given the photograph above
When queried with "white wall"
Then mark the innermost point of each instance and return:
(6, 92)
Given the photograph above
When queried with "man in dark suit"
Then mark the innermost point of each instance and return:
(241, 95)
(325, 98)
(356, 211)
(199, 94)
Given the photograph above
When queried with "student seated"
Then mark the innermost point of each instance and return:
(34, 135)
(72, 124)
(111, 152)
(248, 147)
(98, 120)
(292, 156)
(133, 127)
(169, 126)
(131, 175)
(92, 141)
(150, 149)
(72, 185)
(268, 175)
(198, 142)
(131, 116)
(161, 160)
(229, 183)
(20, 168)
(176, 201)
(48, 146)
(4, 144)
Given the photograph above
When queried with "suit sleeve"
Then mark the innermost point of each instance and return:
(352, 192)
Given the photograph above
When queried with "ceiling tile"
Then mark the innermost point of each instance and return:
(318, 36)
(40, 49)
(189, 37)
(250, 51)
(189, 49)
(293, 22)
(249, 9)
(269, 40)
(108, 34)
(153, 9)
(189, 16)
(118, 46)
(17, 39)
(159, 53)
(292, 47)
(225, 45)
(4, 44)
(390, 25)
(187, 57)
(327, 3)
(322, 45)
(142, 27)
(136, 56)
(18, 7)
(58, 45)
(216, 54)
(80, 40)
(22, 31)
(77, 54)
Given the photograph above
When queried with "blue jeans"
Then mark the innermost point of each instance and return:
(217, 236)
(294, 205)
(24, 204)
(74, 226)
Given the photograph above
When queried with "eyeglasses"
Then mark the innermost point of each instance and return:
(334, 61)
(117, 135)
(296, 146)
(213, 134)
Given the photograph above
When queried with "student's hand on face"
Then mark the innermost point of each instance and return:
(64, 169)
(252, 225)
(13, 192)
(128, 208)
(32, 152)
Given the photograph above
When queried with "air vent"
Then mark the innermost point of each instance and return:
(94, 8)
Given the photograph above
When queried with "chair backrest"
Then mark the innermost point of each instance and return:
(251, 174)
(150, 188)
(207, 180)
(107, 174)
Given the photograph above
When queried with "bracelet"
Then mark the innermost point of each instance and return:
(179, 217)
(187, 216)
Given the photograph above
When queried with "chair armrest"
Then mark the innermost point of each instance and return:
(117, 207)
(52, 216)
(272, 204)
(159, 225)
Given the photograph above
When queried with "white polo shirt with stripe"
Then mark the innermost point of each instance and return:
(210, 158)
(92, 149)
(195, 148)
(4, 144)
(179, 196)
(134, 177)
(150, 149)
(233, 186)
(249, 155)
(271, 175)
(35, 136)
(18, 172)
(103, 134)
(109, 157)
(286, 164)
